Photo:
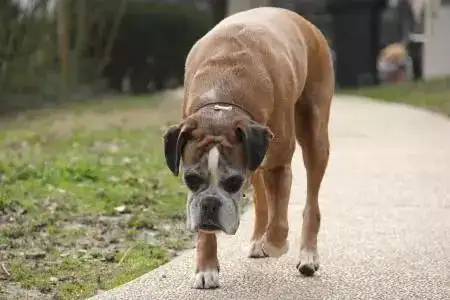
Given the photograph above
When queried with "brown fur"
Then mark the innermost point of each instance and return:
(277, 66)
(210, 130)
(206, 252)
(395, 54)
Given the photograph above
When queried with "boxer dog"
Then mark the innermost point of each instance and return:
(256, 83)
(394, 64)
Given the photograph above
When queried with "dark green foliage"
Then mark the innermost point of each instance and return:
(149, 46)
(153, 42)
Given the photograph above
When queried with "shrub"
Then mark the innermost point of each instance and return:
(153, 42)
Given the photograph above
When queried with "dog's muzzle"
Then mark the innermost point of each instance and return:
(209, 214)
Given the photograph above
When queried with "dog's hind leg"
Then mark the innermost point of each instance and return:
(311, 121)
(278, 185)
(276, 180)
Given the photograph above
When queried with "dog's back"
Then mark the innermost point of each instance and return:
(265, 60)
(264, 53)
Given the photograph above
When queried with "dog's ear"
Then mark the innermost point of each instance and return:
(175, 139)
(255, 138)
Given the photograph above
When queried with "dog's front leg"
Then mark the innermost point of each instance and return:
(207, 269)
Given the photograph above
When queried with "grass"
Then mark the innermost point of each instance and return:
(86, 201)
(431, 94)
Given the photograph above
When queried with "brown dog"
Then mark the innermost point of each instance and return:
(257, 82)
(394, 64)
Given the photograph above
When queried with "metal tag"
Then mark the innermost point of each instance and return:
(220, 107)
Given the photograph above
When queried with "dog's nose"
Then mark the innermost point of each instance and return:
(210, 214)
(210, 206)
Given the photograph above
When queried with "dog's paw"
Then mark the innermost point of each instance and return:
(207, 279)
(256, 250)
(263, 248)
(272, 250)
(308, 263)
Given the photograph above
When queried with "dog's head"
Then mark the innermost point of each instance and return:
(217, 153)
(392, 63)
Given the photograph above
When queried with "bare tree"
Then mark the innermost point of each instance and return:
(112, 35)
(63, 41)
(80, 41)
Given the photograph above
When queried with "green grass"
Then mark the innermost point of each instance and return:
(86, 200)
(432, 94)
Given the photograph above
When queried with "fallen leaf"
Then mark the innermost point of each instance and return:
(120, 209)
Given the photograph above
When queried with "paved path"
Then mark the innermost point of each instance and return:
(385, 220)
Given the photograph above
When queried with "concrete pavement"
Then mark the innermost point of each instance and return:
(385, 229)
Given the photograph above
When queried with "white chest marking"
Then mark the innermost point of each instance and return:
(213, 164)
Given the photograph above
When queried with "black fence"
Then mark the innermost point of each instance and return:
(357, 30)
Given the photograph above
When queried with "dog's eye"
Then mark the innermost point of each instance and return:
(233, 184)
(193, 181)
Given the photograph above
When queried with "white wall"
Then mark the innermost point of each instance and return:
(436, 52)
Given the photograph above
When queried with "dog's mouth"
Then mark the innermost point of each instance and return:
(210, 227)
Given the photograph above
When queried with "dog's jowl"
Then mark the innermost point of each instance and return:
(256, 84)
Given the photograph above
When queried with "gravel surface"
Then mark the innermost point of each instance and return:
(385, 219)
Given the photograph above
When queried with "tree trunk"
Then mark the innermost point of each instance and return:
(80, 41)
(104, 60)
(63, 43)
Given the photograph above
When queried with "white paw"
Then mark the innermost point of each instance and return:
(272, 250)
(256, 250)
(207, 279)
(262, 248)
(308, 262)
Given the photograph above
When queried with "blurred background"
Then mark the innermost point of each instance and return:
(78, 48)
(88, 86)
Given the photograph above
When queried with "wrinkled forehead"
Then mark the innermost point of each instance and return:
(215, 160)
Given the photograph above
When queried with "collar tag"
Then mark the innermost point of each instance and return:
(222, 107)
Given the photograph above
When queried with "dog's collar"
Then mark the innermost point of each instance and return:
(224, 106)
